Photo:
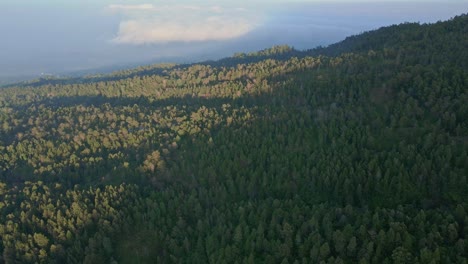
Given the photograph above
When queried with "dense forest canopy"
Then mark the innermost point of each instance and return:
(356, 152)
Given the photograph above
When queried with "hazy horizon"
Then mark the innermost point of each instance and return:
(55, 37)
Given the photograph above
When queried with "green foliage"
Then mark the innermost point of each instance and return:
(352, 153)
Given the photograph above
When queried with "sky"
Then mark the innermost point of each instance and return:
(57, 37)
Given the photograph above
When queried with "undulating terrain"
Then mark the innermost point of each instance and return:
(356, 152)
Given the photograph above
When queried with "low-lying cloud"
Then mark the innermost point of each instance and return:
(149, 24)
(131, 7)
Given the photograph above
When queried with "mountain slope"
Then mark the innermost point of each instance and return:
(441, 42)
(355, 154)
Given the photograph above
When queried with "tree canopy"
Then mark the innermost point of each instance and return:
(356, 152)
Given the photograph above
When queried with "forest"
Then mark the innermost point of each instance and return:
(352, 153)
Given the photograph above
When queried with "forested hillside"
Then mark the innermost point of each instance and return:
(356, 152)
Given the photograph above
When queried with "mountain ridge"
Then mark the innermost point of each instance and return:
(351, 44)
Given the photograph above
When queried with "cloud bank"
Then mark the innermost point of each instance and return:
(131, 7)
(150, 24)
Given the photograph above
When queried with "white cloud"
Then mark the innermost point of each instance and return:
(131, 7)
(149, 24)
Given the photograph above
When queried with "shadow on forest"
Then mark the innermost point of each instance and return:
(99, 100)
(93, 79)
(103, 172)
